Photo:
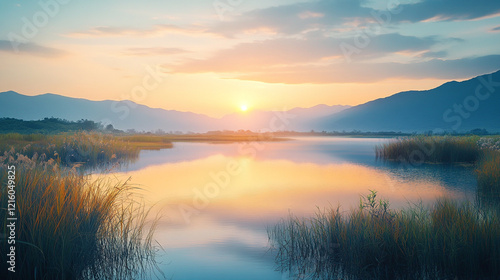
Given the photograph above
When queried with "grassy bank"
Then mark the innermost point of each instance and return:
(488, 179)
(147, 142)
(433, 149)
(69, 227)
(447, 241)
(222, 137)
(94, 149)
(483, 152)
(83, 148)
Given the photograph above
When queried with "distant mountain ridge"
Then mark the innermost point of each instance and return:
(453, 106)
(129, 115)
(294, 119)
(121, 114)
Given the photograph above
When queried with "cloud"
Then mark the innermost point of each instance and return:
(496, 29)
(374, 72)
(153, 51)
(156, 30)
(330, 14)
(295, 18)
(436, 54)
(446, 10)
(29, 48)
(270, 54)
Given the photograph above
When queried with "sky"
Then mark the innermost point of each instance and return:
(216, 56)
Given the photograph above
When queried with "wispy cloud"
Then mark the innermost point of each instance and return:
(447, 10)
(374, 72)
(296, 18)
(327, 14)
(496, 29)
(30, 49)
(267, 55)
(434, 54)
(153, 51)
(307, 39)
(156, 30)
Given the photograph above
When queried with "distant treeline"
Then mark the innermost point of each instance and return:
(477, 131)
(57, 125)
(48, 126)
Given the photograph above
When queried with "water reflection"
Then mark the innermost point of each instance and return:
(217, 223)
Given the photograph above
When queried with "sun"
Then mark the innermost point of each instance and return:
(244, 107)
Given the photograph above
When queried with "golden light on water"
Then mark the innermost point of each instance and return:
(256, 192)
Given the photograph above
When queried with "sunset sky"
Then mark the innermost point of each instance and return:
(216, 57)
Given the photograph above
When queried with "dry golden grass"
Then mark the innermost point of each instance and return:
(72, 227)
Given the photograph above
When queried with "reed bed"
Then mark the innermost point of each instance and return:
(449, 240)
(483, 152)
(149, 142)
(488, 179)
(433, 149)
(222, 137)
(226, 138)
(71, 227)
(82, 148)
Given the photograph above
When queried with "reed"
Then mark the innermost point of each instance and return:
(147, 142)
(72, 227)
(226, 137)
(483, 152)
(89, 149)
(433, 149)
(488, 179)
(446, 241)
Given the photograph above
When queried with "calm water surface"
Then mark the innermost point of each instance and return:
(216, 200)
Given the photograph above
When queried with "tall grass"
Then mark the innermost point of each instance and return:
(88, 149)
(483, 152)
(223, 137)
(71, 227)
(447, 241)
(488, 179)
(150, 142)
(434, 149)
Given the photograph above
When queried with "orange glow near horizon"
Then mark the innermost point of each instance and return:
(181, 56)
(218, 98)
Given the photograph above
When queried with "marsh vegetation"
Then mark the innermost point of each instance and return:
(70, 226)
(482, 152)
(449, 239)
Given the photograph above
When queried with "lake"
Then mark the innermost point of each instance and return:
(217, 200)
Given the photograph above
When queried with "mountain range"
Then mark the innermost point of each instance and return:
(453, 106)
(130, 115)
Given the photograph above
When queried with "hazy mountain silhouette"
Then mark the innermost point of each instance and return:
(453, 106)
(129, 115)
(298, 119)
(122, 114)
(459, 106)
